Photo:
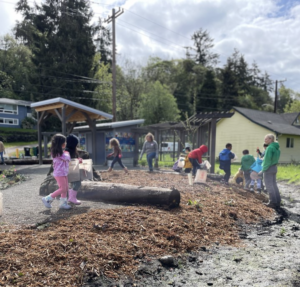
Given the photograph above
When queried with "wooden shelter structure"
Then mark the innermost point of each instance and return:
(69, 113)
(200, 124)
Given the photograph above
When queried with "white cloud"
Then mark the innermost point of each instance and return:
(263, 31)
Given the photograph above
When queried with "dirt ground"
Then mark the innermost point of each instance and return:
(220, 236)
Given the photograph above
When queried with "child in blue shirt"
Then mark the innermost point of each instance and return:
(256, 167)
(225, 158)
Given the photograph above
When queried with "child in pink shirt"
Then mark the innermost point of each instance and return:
(61, 161)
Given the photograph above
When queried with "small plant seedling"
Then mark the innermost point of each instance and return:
(282, 231)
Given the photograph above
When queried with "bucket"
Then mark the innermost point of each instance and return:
(86, 169)
(74, 174)
(201, 176)
(181, 162)
(207, 164)
(1, 203)
(190, 179)
(109, 162)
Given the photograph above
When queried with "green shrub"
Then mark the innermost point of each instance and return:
(9, 135)
(28, 123)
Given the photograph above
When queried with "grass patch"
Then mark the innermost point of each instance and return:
(290, 173)
(13, 130)
(286, 172)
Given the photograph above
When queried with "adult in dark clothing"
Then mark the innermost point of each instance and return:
(225, 158)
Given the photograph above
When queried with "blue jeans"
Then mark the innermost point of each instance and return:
(195, 164)
(117, 159)
(76, 185)
(150, 157)
(1, 154)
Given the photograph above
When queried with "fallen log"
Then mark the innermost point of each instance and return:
(99, 191)
(121, 193)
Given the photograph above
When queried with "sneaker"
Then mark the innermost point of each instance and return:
(63, 204)
(47, 201)
(258, 191)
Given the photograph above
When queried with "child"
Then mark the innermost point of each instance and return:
(117, 153)
(262, 154)
(247, 161)
(187, 164)
(195, 157)
(225, 158)
(61, 161)
(256, 167)
(239, 178)
(72, 142)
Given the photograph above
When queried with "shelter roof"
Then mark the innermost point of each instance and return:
(113, 125)
(74, 112)
(279, 123)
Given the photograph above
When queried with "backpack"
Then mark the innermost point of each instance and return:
(175, 166)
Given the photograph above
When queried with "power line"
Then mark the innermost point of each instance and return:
(157, 24)
(150, 33)
(149, 36)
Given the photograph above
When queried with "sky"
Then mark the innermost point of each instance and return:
(264, 31)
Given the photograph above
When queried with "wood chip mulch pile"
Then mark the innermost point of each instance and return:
(112, 242)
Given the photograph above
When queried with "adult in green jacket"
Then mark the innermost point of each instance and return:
(269, 169)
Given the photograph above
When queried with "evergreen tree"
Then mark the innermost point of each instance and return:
(203, 46)
(208, 98)
(60, 36)
(230, 94)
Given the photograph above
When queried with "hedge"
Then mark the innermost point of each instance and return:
(17, 135)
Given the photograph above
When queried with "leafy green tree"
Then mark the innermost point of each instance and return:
(286, 100)
(130, 87)
(294, 107)
(158, 105)
(102, 96)
(6, 86)
(15, 62)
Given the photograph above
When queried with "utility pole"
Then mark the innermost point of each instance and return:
(112, 19)
(276, 94)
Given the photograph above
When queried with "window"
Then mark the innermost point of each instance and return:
(7, 121)
(289, 142)
(8, 109)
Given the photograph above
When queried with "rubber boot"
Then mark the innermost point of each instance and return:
(72, 197)
(63, 204)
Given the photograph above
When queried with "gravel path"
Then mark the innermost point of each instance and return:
(22, 203)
